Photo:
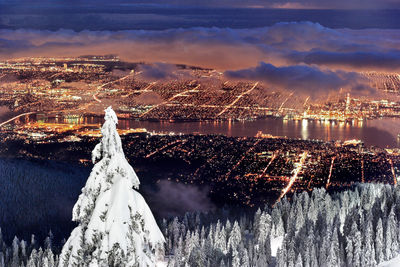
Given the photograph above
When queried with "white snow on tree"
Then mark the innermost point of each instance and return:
(116, 226)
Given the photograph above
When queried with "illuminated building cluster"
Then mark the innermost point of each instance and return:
(247, 170)
(84, 85)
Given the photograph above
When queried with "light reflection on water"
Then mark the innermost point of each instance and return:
(377, 132)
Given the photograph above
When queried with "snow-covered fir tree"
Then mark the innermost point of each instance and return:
(116, 227)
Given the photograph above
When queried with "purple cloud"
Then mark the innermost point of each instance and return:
(300, 78)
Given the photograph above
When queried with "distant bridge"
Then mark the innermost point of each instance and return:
(16, 117)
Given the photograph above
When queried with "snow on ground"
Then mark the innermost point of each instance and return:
(276, 242)
(161, 264)
(395, 262)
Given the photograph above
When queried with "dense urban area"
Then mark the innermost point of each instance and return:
(237, 170)
(84, 85)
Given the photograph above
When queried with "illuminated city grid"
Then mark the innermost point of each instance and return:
(85, 85)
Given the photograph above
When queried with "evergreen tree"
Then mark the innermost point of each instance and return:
(332, 260)
(32, 245)
(2, 264)
(179, 252)
(235, 258)
(306, 262)
(299, 261)
(220, 239)
(115, 224)
(228, 226)
(379, 242)
(291, 256)
(323, 253)
(264, 229)
(33, 259)
(357, 248)
(368, 254)
(245, 261)
(333, 251)
(267, 250)
(50, 257)
(349, 251)
(256, 221)
(23, 246)
(391, 246)
(299, 216)
(282, 255)
(208, 245)
(235, 236)
(15, 247)
(312, 212)
(48, 242)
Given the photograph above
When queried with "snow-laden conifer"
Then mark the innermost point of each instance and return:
(116, 227)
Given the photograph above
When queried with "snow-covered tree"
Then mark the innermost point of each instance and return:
(23, 249)
(333, 250)
(379, 242)
(33, 259)
(357, 246)
(235, 236)
(368, 247)
(15, 259)
(220, 239)
(2, 260)
(299, 261)
(116, 227)
(235, 258)
(264, 228)
(391, 246)
(245, 261)
(299, 218)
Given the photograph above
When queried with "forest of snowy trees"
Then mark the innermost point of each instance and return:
(356, 227)
(353, 228)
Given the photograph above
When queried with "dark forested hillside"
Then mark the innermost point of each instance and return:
(36, 197)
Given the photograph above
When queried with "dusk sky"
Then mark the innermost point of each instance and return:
(315, 4)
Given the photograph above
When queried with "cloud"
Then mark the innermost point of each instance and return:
(386, 61)
(200, 47)
(305, 57)
(172, 199)
(159, 71)
(301, 78)
(220, 48)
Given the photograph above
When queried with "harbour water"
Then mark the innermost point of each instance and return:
(378, 132)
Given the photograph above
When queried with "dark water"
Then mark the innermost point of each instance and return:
(6, 113)
(160, 17)
(382, 133)
(378, 132)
